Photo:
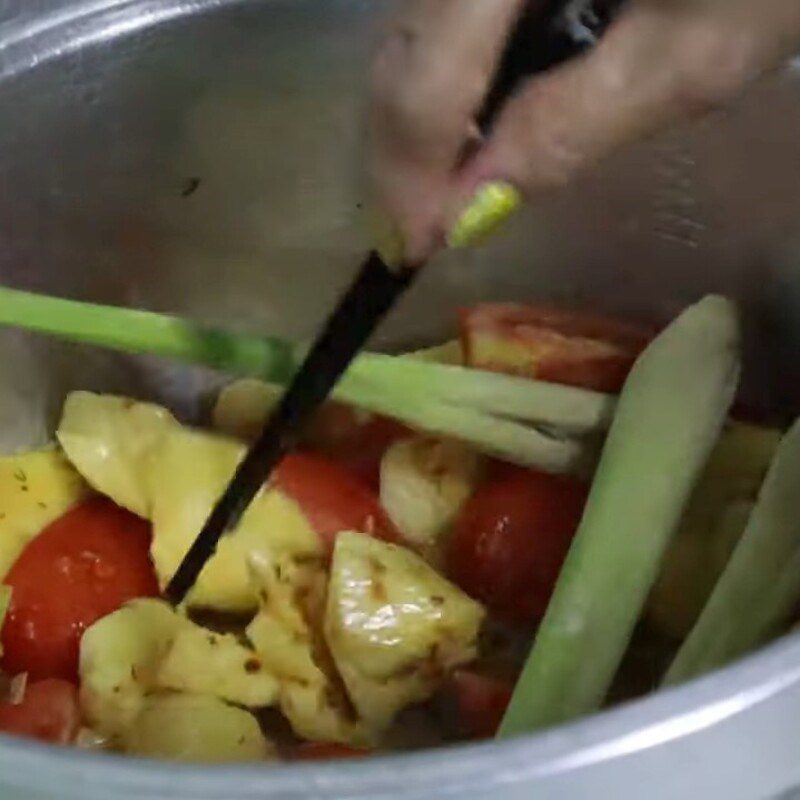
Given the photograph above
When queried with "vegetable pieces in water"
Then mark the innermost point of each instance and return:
(669, 416)
(760, 586)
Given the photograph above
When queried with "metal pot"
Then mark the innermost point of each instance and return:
(201, 156)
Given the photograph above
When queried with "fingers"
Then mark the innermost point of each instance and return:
(429, 80)
(661, 62)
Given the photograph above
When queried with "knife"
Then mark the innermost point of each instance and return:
(542, 38)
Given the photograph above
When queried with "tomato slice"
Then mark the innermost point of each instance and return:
(481, 701)
(83, 566)
(322, 751)
(332, 499)
(511, 538)
(584, 350)
(48, 712)
(354, 439)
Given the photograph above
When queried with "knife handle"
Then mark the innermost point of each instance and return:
(543, 37)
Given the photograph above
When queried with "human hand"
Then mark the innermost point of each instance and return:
(660, 62)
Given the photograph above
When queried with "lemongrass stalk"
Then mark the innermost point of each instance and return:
(476, 406)
(669, 416)
(760, 586)
(567, 408)
(134, 331)
(505, 439)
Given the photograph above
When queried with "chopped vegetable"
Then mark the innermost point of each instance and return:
(93, 559)
(488, 410)
(202, 662)
(712, 525)
(356, 439)
(119, 659)
(669, 417)
(110, 441)
(511, 538)
(5, 602)
(35, 489)
(196, 728)
(394, 626)
(287, 635)
(480, 702)
(331, 499)
(176, 480)
(242, 407)
(760, 587)
(424, 484)
(188, 475)
(48, 712)
(551, 345)
(146, 646)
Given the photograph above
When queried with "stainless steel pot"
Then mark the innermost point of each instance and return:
(201, 156)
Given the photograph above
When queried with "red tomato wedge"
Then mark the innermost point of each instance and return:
(481, 701)
(583, 350)
(83, 566)
(322, 751)
(48, 712)
(332, 499)
(354, 439)
(511, 538)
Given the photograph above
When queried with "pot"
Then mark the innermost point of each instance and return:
(201, 156)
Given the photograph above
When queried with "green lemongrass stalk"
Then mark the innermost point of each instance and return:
(494, 436)
(480, 407)
(669, 416)
(145, 332)
(760, 586)
(566, 408)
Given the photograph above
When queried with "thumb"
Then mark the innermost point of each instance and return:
(655, 66)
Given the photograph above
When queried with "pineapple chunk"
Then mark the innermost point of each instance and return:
(138, 455)
(215, 664)
(110, 440)
(242, 407)
(711, 527)
(36, 488)
(146, 646)
(196, 728)
(286, 634)
(424, 484)
(188, 474)
(394, 626)
(119, 659)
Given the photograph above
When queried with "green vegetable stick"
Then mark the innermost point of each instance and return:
(669, 416)
(444, 399)
(133, 331)
(760, 585)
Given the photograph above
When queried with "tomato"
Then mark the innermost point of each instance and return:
(511, 538)
(480, 701)
(540, 342)
(322, 751)
(83, 566)
(354, 439)
(332, 499)
(48, 712)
